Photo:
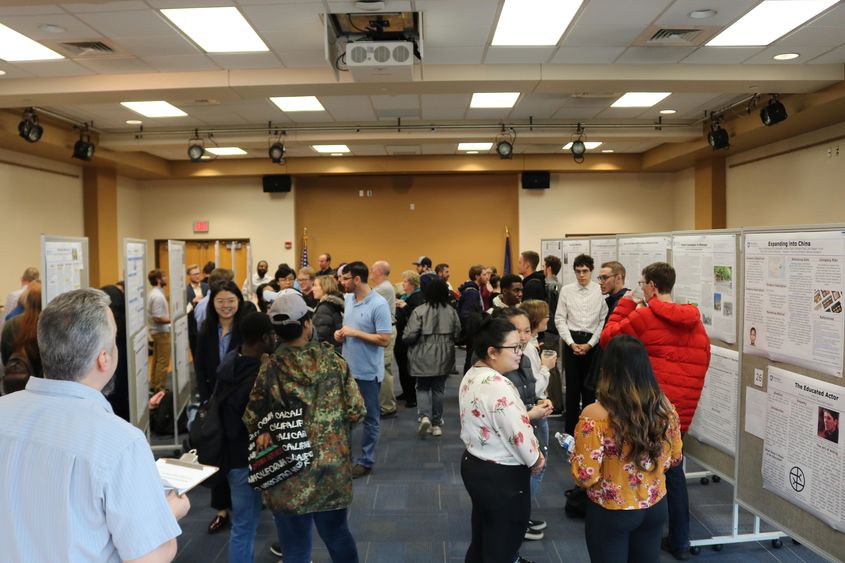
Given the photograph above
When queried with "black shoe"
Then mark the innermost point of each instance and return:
(681, 554)
(401, 397)
(218, 523)
(410, 404)
(521, 559)
(276, 549)
(536, 525)
(359, 470)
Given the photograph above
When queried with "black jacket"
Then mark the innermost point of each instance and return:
(534, 287)
(207, 359)
(236, 371)
(404, 313)
(328, 317)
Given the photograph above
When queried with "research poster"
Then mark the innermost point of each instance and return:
(141, 373)
(603, 250)
(180, 355)
(803, 452)
(705, 266)
(135, 280)
(638, 252)
(793, 298)
(551, 248)
(715, 417)
(178, 287)
(64, 262)
(569, 250)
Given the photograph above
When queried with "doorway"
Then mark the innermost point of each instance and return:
(233, 255)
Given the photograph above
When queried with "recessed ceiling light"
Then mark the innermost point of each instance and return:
(668, 111)
(474, 146)
(337, 154)
(493, 99)
(768, 21)
(534, 22)
(217, 30)
(298, 103)
(330, 148)
(154, 109)
(640, 99)
(607, 150)
(134, 122)
(2, 72)
(472, 152)
(786, 56)
(702, 14)
(226, 151)
(16, 47)
(590, 145)
(51, 28)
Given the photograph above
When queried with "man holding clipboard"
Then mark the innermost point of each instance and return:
(77, 483)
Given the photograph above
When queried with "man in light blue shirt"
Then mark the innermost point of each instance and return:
(366, 332)
(77, 483)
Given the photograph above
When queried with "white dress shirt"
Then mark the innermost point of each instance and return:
(580, 308)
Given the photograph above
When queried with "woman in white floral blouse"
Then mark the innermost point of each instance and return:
(624, 442)
(501, 449)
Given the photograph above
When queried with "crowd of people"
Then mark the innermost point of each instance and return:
(327, 340)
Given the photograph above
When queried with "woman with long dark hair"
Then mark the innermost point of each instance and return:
(430, 335)
(119, 395)
(624, 442)
(20, 334)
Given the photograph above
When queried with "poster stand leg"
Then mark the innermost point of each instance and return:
(703, 477)
(735, 537)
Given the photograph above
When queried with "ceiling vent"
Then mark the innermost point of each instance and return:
(87, 48)
(669, 35)
(380, 61)
(656, 36)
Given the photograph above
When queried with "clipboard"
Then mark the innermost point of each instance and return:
(183, 474)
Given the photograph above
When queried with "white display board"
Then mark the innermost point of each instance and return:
(635, 253)
(135, 295)
(715, 417)
(603, 250)
(135, 283)
(64, 265)
(794, 285)
(800, 462)
(139, 371)
(569, 250)
(707, 277)
(176, 267)
(181, 362)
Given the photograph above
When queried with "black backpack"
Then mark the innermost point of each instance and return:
(208, 437)
(17, 372)
(161, 417)
(552, 297)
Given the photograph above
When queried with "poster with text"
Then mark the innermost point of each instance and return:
(803, 452)
(705, 266)
(550, 248)
(135, 284)
(178, 287)
(64, 263)
(141, 373)
(793, 298)
(715, 417)
(636, 253)
(569, 250)
(180, 355)
(604, 250)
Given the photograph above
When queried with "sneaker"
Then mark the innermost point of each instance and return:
(536, 525)
(521, 559)
(532, 535)
(422, 429)
(681, 553)
(276, 549)
(436, 431)
(359, 470)
(389, 414)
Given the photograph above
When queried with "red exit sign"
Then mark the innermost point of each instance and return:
(200, 226)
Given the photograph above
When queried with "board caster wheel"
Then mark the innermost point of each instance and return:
(716, 478)
(704, 481)
(695, 550)
(777, 543)
(718, 547)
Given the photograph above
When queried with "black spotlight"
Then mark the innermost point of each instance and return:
(277, 153)
(29, 128)
(504, 149)
(773, 113)
(718, 137)
(195, 152)
(83, 149)
(578, 150)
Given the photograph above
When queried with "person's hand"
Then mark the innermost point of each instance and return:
(575, 347)
(540, 410)
(338, 335)
(629, 294)
(400, 303)
(586, 348)
(179, 504)
(197, 299)
(548, 361)
(155, 400)
(538, 465)
(263, 440)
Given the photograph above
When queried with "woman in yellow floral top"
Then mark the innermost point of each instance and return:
(624, 442)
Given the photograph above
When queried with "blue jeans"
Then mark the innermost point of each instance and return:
(369, 440)
(542, 434)
(246, 508)
(678, 501)
(295, 535)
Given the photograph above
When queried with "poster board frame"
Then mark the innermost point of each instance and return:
(629, 274)
(178, 295)
(139, 410)
(84, 280)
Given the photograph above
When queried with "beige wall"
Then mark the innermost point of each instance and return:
(234, 208)
(36, 196)
(129, 213)
(597, 204)
(800, 186)
(685, 200)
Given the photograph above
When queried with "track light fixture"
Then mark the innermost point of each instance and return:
(83, 149)
(195, 148)
(717, 136)
(29, 129)
(504, 143)
(276, 152)
(774, 112)
(578, 147)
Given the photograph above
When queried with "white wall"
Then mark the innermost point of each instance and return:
(129, 213)
(802, 186)
(685, 200)
(36, 196)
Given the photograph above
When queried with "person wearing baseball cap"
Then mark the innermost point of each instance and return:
(423, 264)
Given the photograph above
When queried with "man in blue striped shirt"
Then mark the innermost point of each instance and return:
(77, 483)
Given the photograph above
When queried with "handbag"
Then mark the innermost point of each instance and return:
(289, 451)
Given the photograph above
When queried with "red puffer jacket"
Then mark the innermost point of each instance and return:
(677, 345)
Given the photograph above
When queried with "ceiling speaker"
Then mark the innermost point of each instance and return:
(275, 183)
(535, 180)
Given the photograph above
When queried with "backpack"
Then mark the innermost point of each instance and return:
(17, 372)
(469, 320)
(208, 436)
(552, 297)
(161, 417)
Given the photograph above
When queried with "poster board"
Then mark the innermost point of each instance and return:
(552, 247)
(64, 265)
(759, 471)
(570, 248)
(179, 326)
(635, 252)
(135, 295)
(603, 249)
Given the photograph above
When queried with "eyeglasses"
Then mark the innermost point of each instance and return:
(517, 349)
(605, 278)
(641, 283)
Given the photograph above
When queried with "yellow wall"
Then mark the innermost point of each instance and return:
(129, 205)
(36, 196)
(685, 200)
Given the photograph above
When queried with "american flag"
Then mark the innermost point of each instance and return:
(304, 260)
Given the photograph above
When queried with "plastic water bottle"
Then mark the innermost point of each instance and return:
(566, 441)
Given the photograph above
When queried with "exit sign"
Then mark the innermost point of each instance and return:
(200, 226)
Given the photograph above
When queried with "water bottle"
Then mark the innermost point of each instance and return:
(566, 441)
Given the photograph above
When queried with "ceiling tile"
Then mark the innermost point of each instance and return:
(540, 106)
(812, 36)
(105, 6)
(523, 55)
(157, 45)
(367, 149)
(611, 23)
(182, 63)
(45, 69)
(294, 40)
(29, 26)
(349, 108)
(831, 57)
(162, 4)
(654, 55)
(135, 23)
(807, 52)
(462, 55)
(834, 17)
(587, 55)
(108, 65)
(444, 106)
(720, 55)
(12, 71)
(29, 10)
(488, 113)
(448, 23)
(258, 111)
(401, 101)
(246, 60)
(288, 17)
(304, 59)
(677, 15)
(577, 113)
(389, 6)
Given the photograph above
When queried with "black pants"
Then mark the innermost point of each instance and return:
(501, 507)
(614, 536)
(577, 370)
(408, 383)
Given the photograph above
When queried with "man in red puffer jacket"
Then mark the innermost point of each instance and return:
(679, 350)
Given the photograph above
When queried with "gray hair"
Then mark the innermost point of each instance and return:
(382, 266)
(72, 331)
